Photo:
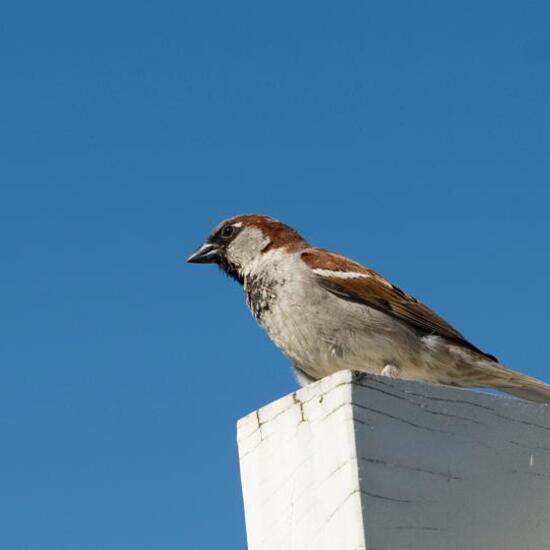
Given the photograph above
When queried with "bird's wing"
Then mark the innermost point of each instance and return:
(350, 280)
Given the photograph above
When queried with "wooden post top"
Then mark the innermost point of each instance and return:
(361, 462)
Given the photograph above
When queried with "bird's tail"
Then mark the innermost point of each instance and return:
(488, 373)
(521, 385)
(532, 389)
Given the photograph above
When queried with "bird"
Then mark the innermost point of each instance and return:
(327, 313)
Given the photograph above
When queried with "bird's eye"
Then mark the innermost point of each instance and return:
(227, 232)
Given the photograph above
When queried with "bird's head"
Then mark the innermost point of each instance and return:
(237, 243)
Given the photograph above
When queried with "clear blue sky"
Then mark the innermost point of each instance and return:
(412, 136)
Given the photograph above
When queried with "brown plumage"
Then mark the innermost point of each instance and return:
(375, 291)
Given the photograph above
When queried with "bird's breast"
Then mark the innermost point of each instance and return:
(261, 295)
(322, 333)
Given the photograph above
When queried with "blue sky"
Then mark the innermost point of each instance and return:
(412, 136)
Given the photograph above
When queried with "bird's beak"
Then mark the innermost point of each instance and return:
(208, 253)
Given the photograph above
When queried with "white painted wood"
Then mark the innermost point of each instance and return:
(360, 462)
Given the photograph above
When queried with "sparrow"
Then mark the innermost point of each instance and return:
(329, 313)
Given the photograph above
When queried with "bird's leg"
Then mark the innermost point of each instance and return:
(391, 370)
(301, 376)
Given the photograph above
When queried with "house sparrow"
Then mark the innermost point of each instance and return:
(327, 313)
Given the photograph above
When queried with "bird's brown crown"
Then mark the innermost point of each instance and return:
(280, 235)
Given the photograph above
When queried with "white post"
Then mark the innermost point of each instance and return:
(360, 462)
